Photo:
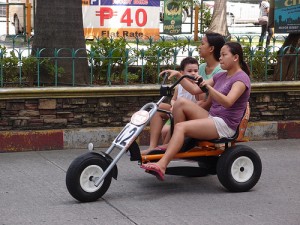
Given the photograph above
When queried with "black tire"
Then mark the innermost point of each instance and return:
(79, 174)
(239, 168)
(17, 25)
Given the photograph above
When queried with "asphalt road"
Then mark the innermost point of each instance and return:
(33, 191)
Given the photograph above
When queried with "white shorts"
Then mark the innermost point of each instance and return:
(222, 128)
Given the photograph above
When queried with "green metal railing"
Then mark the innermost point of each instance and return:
(136, 61)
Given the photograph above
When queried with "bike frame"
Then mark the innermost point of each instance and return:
(238, 167)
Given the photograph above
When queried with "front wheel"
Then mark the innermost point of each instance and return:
(239, 168)
(82, 175)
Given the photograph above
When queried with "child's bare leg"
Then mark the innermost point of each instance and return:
(167, 137)
(156, 124)
(190, 129)
(185, 110)
(164, 133)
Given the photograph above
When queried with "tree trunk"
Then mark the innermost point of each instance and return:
(219, 19)
(59, 28)
(286, 60)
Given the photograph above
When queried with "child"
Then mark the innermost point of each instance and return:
(188, 66)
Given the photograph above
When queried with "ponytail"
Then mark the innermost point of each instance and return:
(236, 49)
(245, 67)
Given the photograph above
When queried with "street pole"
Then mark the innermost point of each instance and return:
(196, 31)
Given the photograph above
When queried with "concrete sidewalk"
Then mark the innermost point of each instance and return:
(33, 192)
(13, 141)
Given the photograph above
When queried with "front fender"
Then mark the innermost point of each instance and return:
(109, 159)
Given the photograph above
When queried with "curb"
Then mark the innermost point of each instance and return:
(16, 141)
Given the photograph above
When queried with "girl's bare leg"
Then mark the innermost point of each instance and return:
(198, 126)
(184, 110)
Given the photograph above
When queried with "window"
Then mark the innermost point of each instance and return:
(2, 10)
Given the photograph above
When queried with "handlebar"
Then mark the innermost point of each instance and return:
(167, 91)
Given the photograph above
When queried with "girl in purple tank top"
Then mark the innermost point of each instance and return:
(229, 93)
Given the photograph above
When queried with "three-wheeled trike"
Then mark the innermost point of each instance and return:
(238, 167)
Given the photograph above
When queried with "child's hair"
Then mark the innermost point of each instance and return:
(217, 41)
(188, 60)
(236, 49)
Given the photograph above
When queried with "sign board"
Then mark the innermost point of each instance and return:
(121, 18)
(287, 16)
(172, 17)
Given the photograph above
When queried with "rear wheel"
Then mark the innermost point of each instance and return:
(82, 174)
(239, 168)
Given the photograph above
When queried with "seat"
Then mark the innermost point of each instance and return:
(237, 137)
(240, 131)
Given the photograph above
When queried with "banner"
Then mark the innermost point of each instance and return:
(121, 18)
(172, 17)
(287, 16)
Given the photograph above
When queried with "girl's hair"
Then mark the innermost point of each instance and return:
(236, 49)
(188, 60)
(217, 41)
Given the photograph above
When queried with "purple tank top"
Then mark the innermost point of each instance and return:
(233, 115)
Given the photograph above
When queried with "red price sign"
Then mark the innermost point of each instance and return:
(140, 16)
(117, 21)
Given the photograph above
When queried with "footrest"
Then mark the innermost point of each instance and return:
(187, 171)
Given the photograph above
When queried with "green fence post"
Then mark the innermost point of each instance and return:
(266, 63)
(20, 66)
(175, 52)
(158, 64)
(91, 65)
(1, 66)
(73, 67)
(296, 63)
(126, 65)
(55, 66)
(142, 58)
(109, 68)
(280, 57)
(38, 66)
